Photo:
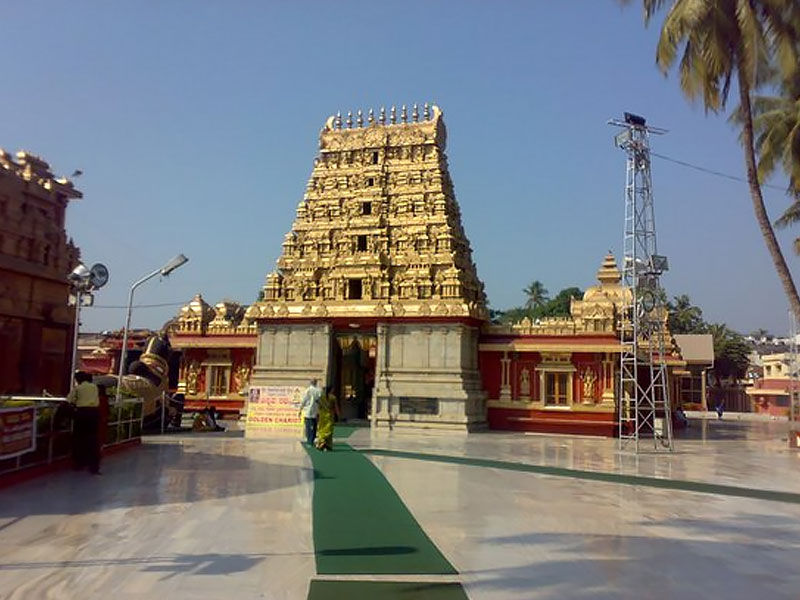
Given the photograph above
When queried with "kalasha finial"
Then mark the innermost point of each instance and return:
(382, 116)
(360, 118)
(338, 122)
(404, 114)
(393, 115)
(370, 117)
(415, 113)
(349, 119)
(426, 111)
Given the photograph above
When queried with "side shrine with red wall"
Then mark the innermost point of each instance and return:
(218, 348)
(559, 374)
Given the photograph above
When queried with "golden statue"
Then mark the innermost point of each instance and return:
(589, 379)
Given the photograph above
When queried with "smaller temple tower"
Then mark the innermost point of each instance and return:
(36, 255)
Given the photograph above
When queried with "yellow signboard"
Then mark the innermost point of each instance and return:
(272, 411)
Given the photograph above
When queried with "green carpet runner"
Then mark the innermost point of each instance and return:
(362, 527)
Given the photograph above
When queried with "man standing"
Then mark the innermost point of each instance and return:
(309, 409)
(86, 423)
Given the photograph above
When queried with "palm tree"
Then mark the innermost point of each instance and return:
(776, 122)
(537, 295)
(722, 39)
(684, 317)
(731, 353)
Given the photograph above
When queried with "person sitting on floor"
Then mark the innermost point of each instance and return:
(205, 421)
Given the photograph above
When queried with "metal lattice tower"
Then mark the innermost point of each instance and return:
(643, 392)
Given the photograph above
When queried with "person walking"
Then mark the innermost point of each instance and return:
(309, 410)
(328, 413)
(85, 398)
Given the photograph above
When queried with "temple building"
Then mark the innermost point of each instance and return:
(560, 374)
(36, 257)
(375, 293)
(218, 351)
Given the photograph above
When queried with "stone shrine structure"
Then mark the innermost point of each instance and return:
(375, 291)
(35, 258)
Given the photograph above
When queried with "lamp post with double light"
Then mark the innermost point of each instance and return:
(83, 282)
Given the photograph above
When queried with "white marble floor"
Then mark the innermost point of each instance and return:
(213, 516)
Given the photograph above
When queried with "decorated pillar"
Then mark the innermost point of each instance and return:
(505, 384)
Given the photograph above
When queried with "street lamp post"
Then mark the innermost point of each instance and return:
(168, 268)
(83, 282)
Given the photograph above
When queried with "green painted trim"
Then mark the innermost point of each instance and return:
(361, 525)
(670, 484)
(384, 590)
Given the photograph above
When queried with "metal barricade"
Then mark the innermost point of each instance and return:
(54, 429)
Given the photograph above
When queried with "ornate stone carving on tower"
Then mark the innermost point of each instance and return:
(378, 237)
(378, 229)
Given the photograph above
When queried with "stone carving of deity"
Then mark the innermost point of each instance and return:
(241, 377)
(192, 375)
(589, 378)
(525, 383)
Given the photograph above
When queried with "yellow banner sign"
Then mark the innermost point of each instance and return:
(273, 411)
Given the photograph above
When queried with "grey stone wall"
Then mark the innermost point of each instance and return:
(292, 354)
(427, 376)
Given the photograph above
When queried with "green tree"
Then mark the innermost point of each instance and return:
(723, 40)
(496, 316)
(776, 123)
(731, 353)
(684, 317)
(559, 306)
(537, 295)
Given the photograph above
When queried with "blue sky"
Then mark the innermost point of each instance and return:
(196, 125)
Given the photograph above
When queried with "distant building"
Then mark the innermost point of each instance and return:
(770, 394)
(35, 259)
(99, 353)
(697, 350)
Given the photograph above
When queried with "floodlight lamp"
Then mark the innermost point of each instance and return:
(79, 274)
(173, 264)
(636, 120)
(659, 263)
(622, 139)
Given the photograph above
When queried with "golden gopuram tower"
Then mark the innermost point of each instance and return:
(375, 292)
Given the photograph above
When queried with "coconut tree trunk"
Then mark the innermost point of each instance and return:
(758, 200)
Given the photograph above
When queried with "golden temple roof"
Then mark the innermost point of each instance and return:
(378, 231)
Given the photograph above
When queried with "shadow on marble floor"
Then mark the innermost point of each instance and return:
(622, 566)
(151, 475)
(369, 551)
(198, 564)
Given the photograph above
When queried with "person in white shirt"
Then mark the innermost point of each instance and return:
(309, 410)
(85, 397)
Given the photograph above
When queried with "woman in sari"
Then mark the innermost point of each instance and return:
(328, 413)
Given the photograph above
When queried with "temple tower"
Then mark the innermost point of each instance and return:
(375, 291)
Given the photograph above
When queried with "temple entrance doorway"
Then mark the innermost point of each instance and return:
(354, 373)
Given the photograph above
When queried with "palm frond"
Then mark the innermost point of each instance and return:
(790, 215)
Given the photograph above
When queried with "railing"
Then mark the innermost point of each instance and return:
(54, 429)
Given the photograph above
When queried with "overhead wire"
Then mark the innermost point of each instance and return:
(689, 165)
(162, 304)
